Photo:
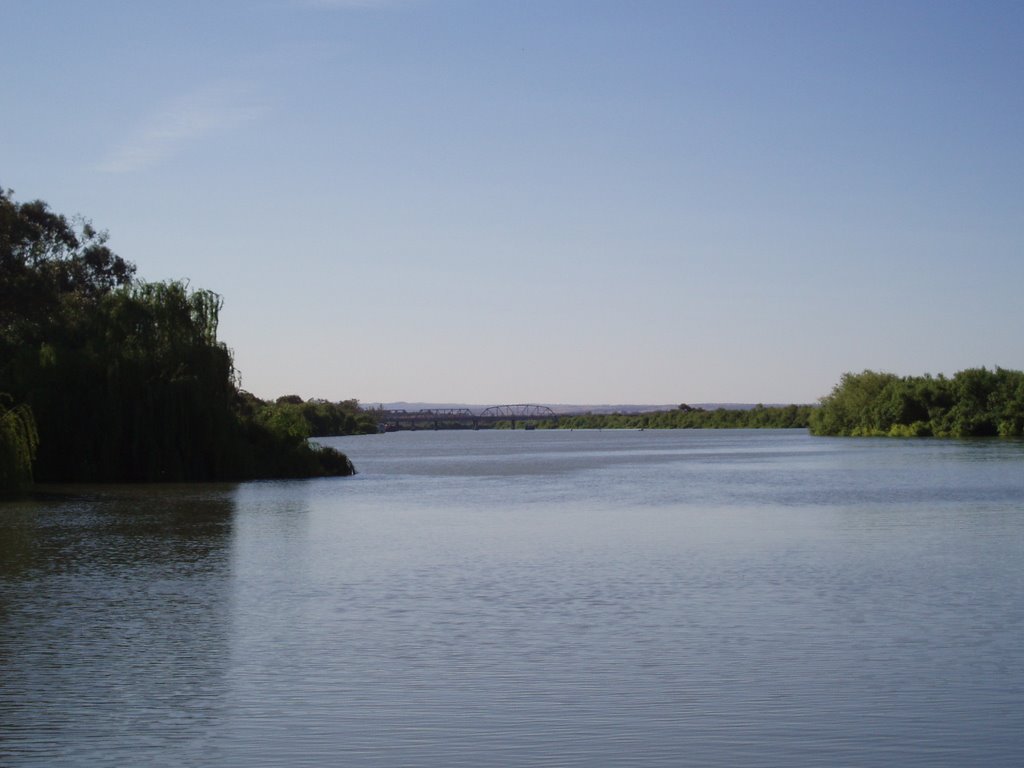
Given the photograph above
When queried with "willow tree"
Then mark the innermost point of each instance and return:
(127, 380)
(140, 389)
(18, 443)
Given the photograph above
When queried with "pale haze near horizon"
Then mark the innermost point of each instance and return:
(578, 202)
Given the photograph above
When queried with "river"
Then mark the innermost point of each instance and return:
(572, 598)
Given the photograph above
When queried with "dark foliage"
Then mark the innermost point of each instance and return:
(127, 380)
(18, 443)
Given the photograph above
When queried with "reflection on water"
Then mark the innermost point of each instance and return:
(499, 599)
(113, 640)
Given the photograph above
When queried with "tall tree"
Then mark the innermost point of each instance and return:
(127, 380)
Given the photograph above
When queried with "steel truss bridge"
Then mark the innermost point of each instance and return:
(463, 418)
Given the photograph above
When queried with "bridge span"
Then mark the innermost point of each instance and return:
(526, 414)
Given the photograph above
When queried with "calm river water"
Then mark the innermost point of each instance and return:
(704, 598)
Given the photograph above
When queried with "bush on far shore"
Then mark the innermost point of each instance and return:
(976, 402)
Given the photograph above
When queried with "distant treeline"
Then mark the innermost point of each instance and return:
(105, 378)
(689, 417)
(974, 402)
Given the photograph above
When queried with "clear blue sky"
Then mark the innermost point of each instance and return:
(555, 201)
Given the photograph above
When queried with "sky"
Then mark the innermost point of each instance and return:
(556, 201)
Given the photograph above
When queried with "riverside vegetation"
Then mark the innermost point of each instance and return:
(106, 378)
(688, 417)
(976, 402)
